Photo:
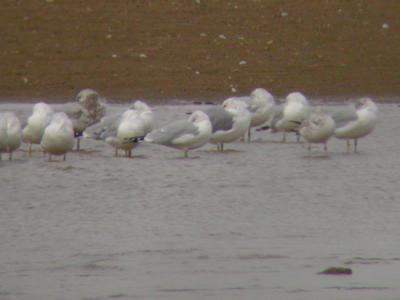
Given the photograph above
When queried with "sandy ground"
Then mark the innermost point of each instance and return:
(158, 50)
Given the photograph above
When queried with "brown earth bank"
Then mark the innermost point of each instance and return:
(200, 49)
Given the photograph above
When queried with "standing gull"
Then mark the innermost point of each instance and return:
(13, 133)
(88, 109)
(123, 131)
(184, 135)
(261, 106)
(357, 124)
(317, 128)
(146, 114)
(37, 122)
(126, 132)
(58, 137)
(294, 111)
(229, 122)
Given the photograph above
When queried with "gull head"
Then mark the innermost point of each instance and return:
(234, 103)
(366, 103)
(141, 106)
(198, 116)
(296, 97)
(261, 95)
(42, 108)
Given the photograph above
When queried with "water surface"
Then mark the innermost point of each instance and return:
(257, 222)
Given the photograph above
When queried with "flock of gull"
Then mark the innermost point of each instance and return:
(58, 130)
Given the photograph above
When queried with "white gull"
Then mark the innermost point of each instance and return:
(41, 116)
(58, 137)
(317, 128)
(13, 133)
(288, 117)
(356, 123)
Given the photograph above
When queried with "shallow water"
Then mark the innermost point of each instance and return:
(257, 222)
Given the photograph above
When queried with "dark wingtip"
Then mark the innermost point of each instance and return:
(295, 122)
(263, 128)
(78, 134)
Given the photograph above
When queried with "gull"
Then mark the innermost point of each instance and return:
(37, 122)
(229, 122)
(88, 109)
(58, 137)
(138, 121)
(146, 114)
(130, 129)
(357, 122)
(3, 135)
(317, 128)
(13, 133)
(261, 106)
(288, 117)
(191, 133)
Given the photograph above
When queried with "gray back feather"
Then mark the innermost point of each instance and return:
(107, 127)
(166, 134)
(342, 115)
(278, 114)
(220, 119)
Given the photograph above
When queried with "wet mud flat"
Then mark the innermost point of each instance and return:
(259, 221)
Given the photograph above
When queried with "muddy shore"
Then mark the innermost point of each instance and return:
(158, 50)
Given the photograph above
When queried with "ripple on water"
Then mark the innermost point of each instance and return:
(258, 256)
(360, 288)
(169, 251)
(371, 260)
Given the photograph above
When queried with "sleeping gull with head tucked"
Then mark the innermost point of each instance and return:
(130, 129)
(37, 122)
(123, 131)
(145, 113)
(357, 122)
(261, 106)
(13, 133)
(191, 133)
(229, 122)
(288, 117)
(58, 137)
(88, 109)
(317, 128)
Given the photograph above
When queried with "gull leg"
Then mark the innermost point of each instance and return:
(65, 157)
(284, 137)
(222, 147)
(186, 153)
(49, 157)
(30, 150)
(9, 155)
(249, 136)
(298, 137)
(309, 147)
(326, 147)
(348, 146)
(116, 152)
(355, 145)
(78, 144)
